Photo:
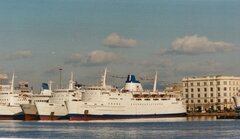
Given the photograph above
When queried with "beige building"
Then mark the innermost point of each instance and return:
(210, 93)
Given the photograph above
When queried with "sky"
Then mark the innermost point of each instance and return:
(176, 38)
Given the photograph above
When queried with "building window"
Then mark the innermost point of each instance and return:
(225, 88)
(230, 88)
(219, 100)
(198, 89)
(225, 94)
(205, 95)
(219, 89)
(205, 100)
(198, 84)
(186, 84)
(211, 100)
(191, 84)
(192, 90)
(211, 94)
(211, 89)
(211, 83)
(198, 95)
(205, 83)
(198, 101)
(191, 101)
(186, 90)
(225, 100)
(186, 95)
(225, 82)
(205, 89)
(186, 101)
(192, 95)
(218, 82)
(219, 94)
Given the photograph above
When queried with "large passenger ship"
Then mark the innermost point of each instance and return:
(11, 98)
(55, 108)
(106, 102)
(30, 110)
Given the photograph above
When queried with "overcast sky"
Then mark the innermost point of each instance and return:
(178, 38)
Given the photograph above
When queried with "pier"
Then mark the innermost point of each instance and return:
(218, 115)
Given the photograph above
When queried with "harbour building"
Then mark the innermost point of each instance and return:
(210, 93)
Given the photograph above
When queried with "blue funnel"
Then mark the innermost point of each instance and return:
(45, 86)
(131, 79)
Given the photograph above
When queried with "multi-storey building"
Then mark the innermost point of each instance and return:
(210, 93)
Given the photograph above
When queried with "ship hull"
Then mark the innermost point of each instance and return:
(237, 103)
(82, 117)
(151, 109)
(30, 112)
(52, 111)
(11, 113)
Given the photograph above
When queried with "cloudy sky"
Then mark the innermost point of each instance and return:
(178, 38)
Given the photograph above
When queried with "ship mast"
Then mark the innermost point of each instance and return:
(12, 84)
(104, 78)
(71, 82)
(155, 83)
(50, 85)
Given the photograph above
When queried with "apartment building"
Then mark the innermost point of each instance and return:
(210, 93)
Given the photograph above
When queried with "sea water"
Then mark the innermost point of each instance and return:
(172, 128)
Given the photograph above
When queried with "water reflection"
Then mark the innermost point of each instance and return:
(190, 127)
(201, 118)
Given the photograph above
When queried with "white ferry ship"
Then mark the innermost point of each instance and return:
(30, 110)
(10, 99)
(55, 108)
(106, 102)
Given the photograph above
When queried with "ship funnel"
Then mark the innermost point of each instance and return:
(155, 83)
(132, 84)
(45, 86)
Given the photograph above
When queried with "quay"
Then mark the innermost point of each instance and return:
(218, 115)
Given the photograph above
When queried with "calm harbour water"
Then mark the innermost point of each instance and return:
(149, 128)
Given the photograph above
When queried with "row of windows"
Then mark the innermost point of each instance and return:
(212, 89)
(211, 95)
(147, 104)
(212, 83)
(211, 101)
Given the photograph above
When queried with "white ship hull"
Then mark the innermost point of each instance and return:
(11, 113)
(30, 111)
(135, 109)
(237, 103)
(51, 111)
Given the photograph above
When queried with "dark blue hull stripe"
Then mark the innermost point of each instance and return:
(125, 116)
(12, 117)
